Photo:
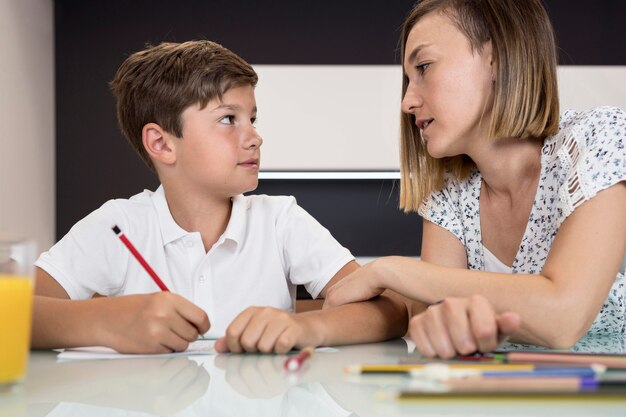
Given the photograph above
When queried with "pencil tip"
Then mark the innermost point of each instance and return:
(116, 229)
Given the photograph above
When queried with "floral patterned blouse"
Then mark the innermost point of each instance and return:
(587, 156)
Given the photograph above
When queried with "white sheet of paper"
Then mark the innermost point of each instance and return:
(200, 347)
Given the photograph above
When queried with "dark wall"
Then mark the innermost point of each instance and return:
(92, 38)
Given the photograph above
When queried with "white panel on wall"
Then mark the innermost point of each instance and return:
(27, 119)
(347, 117)
(584, 87)
(329, 117)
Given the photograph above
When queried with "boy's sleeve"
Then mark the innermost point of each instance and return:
(88, 259)
(312, 256)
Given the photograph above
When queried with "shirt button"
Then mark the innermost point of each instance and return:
(189, 243)
(201, 279)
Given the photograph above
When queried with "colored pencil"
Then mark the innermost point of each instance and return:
(139, 258)
(295, 362)
(608, 360)
(407, 368)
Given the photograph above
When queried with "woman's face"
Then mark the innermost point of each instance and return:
(450, 86)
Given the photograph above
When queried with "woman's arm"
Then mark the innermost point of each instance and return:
(556, 307)
(267, 329)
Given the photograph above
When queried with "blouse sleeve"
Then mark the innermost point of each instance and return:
(595, 153)
(442, 208)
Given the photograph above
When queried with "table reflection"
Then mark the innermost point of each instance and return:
(245, 385)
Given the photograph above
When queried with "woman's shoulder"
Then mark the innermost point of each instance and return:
(596, 128)
(592, 120)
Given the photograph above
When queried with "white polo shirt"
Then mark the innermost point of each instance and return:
(269, 246)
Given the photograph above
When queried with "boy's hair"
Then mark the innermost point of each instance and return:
(525, 89)
(157, 84)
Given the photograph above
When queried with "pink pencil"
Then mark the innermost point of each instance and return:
(610, 361)
(138, 256)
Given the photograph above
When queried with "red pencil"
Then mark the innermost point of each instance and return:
(138, 256)
(294, 363)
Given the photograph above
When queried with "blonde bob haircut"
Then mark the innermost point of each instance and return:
(525, 89)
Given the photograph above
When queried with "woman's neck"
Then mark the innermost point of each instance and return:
(509, 166)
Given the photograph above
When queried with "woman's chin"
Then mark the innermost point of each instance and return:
(435, 151)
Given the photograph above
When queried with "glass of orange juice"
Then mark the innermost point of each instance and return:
(16, 298)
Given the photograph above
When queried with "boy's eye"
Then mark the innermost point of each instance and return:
(253, 120)
(227, 120)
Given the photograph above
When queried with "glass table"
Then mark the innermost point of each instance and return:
(257, 385)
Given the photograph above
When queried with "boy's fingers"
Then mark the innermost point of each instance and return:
(193, 314)
(253, 331)
(268, 340)
(184, 329)
(236, 329)
(221, 346)
(173, 342)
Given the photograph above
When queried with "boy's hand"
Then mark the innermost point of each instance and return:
(461, 326)
(266, 329)
(152, 323)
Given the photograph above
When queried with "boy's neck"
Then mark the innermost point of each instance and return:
(208, 215)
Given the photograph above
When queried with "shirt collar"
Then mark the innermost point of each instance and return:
(238, 219)
(171, 231)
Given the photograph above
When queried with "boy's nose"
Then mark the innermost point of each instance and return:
(254, 140)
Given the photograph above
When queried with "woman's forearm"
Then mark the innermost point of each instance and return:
(552, 315)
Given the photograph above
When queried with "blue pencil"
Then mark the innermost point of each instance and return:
(547, 372)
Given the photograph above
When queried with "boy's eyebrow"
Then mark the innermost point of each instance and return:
(233, 107)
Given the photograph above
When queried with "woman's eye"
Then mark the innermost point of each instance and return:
(227, 120)
(421, 68)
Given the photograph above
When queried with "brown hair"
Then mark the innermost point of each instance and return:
(525, 92)
(157, 84)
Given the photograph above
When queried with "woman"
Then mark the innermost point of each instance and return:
(519, 207)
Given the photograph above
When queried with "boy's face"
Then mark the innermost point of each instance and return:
(219, 152)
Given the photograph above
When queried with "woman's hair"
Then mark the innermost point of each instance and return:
(525, 91)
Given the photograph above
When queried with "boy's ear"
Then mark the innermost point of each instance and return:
(158, 143)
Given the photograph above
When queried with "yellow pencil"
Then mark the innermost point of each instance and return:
(407, 368)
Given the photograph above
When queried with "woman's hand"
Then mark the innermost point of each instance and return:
(461, 326)
(360, 285)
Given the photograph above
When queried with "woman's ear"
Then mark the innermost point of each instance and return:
(488, 53)
(158, 144)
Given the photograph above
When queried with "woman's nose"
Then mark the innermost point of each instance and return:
(411, 99)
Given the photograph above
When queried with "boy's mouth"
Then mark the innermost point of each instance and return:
(252, 163)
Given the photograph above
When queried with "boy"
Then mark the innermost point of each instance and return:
(189, 110)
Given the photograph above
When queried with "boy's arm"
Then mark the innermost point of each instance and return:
(266, 329)
(147, 323)
(379, 319)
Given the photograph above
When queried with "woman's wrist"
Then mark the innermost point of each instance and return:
(382, 273)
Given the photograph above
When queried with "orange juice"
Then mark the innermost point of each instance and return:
(16, 296)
